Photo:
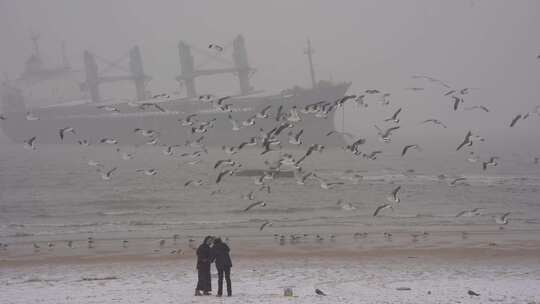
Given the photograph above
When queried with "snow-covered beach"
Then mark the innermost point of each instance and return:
(384, 276)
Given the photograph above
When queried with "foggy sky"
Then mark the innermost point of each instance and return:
(490, 45)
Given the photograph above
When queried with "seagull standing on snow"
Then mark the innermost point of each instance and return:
(215, 47)
(385, 136)
(320, 292)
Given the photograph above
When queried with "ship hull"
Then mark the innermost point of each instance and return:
(93, 124)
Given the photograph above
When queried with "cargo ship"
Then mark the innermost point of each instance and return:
(44, 100)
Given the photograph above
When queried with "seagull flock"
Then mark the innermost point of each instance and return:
(286, 122)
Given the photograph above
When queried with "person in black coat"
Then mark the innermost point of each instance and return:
(204, 259)
(220, 255)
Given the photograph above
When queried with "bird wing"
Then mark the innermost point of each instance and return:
(219, 162)
(395, 191)
(253, 205)
(264, 110)
(111, 171)
(514, 121)
(387, 133)
(279, 113)
(297, 136)
(263, 225)
(220, 176)
(405, 150)
(396, 114)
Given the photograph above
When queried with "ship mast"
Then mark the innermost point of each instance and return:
(35, 38)
(309, 51)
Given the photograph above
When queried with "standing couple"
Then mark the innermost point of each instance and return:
(213, 250)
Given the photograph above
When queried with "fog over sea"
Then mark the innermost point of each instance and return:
(52, 194)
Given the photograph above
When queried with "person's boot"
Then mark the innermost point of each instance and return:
(198, 292)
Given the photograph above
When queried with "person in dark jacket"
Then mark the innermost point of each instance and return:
(204, 259)
(220, 255)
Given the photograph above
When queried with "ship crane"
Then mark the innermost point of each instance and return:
(94, 77)
(241, 68)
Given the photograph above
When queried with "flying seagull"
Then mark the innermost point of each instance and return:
(434, 121)
(467, 141)
(248, 196)
(215, 47)
(145, 133)
(193, 182)
(30, 144)
(65, 130)
(109, 141)
(108, 108)
(324, 185)
(235, 124)
(492, 162)
(225, 162)
(261, 203)
(515, 120)
(266, 223)
(372, 155)
(125, 155)
(477, 107)
(407, 147)
(106, 175)
(294, 139)
(385, 99)
(145, 105)
(394, 198)
(503, 219)
(148, 172)
(469, 213)
(380, 208)
(264, 112)
(457, 101)
(394, 118)
(372, 91)
(222, 174)
(188, 121)
(431, 79)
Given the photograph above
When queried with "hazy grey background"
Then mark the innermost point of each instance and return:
(490, 45)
